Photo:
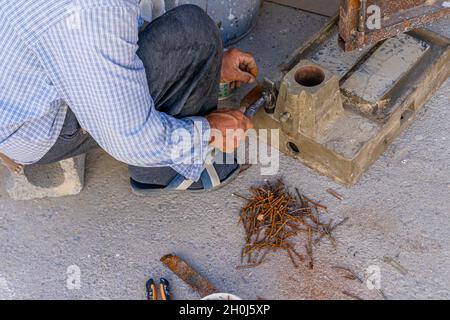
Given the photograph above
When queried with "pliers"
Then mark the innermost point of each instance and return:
(164, 287)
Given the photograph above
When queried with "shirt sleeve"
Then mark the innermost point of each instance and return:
(91, 58)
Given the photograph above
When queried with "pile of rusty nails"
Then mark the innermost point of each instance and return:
(273, 217)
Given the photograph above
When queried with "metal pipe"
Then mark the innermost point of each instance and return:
(362, 16)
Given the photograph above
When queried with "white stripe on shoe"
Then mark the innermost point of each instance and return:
(185, 185)
(215, 180)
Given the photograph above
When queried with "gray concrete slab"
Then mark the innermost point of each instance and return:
(400, 208)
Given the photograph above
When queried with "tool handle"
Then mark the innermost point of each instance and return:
(151, 290)
(164, 288)
(255, 107)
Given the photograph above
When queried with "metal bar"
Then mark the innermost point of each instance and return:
(186, 273)
(396, 17)
(362, 16)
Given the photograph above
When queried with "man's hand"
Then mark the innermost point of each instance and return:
(228, 129)
(238, 67)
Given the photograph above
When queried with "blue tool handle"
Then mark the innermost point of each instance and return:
(254, 108)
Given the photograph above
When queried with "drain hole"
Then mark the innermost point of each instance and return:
(309, 76)
(294, 148)
(407, 115)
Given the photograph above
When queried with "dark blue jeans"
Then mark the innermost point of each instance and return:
(182, 54)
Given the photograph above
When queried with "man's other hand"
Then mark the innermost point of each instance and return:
(228, 129)
(238, 67)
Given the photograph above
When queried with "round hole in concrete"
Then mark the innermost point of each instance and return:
(45, 176)
(293, 148)
(309, 76)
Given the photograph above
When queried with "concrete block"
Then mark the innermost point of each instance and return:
(59, 179)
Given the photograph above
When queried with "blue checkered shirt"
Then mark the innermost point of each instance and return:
(82, 53)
